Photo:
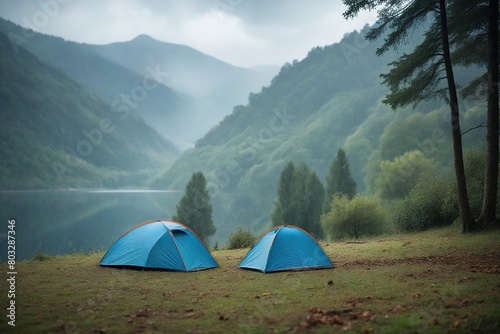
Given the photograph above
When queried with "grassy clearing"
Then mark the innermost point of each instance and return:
(404, 283)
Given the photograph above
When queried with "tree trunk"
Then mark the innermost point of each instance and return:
(468, 223)
(488, 211)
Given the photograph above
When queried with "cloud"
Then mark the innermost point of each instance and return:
(241, 32)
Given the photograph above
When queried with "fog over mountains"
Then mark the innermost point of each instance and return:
(165, 91)
(192, 93)
(216, 86)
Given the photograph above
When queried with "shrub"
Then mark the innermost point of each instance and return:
(360, 216)
(241, 238)
(431, 203)
(42, 257)
(398, 177)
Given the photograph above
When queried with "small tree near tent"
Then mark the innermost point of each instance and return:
(195, 208)
(339, 180)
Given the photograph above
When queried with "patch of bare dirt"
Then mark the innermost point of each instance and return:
(483, 263)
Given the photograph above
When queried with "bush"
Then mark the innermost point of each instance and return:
(240, 239)
(398, 177)
(360, 216)
(431, 203)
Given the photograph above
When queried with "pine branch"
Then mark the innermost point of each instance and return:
(474, 128)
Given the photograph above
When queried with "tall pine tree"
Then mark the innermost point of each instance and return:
(300, 198)
(195, 208)
(283, 210)
(474, 26)
(314, 198)
(339, 179)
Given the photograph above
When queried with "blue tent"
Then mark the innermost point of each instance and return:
(161, 245)
(286, 247)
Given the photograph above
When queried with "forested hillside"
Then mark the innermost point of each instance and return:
(330, 99)
(145, 95)
(56, 135)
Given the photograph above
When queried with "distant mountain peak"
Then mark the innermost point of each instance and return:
(144, 37)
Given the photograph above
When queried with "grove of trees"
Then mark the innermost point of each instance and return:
(455, 28)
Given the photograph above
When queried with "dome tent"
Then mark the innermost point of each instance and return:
(159, 244)
(286, 247)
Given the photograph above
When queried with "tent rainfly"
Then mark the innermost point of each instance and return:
(286, 247)
(160, 244)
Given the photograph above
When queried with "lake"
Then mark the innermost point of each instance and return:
(81, 220)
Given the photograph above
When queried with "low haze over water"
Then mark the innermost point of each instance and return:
(61, 222)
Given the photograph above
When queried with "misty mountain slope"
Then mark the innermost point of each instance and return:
(56, 135)
(161, 107)
(217, 85)
(330, 99)
(305, 114)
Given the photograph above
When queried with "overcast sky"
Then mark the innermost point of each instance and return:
(241, 32)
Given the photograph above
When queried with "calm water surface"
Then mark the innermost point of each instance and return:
(61, 222)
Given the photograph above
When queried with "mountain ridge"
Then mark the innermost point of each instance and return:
(217, 85)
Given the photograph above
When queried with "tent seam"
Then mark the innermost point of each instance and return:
(271, 246)
(196, 235)
(178, 250)
(151, 249)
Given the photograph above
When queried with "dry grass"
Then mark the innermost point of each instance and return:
(435, 281)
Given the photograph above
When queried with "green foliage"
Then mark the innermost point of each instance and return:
(426, 131)
(468, 22)
(241, 238)
(364, 141)
(195, 208)
(284, 210)
(353, 218)
(339, 179)
(398, 177)
(433, 200)
(432, 203)
(414, 76)
(300, 198)
(475, 167)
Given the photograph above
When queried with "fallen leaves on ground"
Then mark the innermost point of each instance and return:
(317, 316)
(149, 312)
(461, 303)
